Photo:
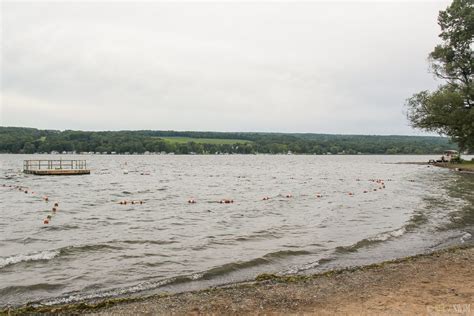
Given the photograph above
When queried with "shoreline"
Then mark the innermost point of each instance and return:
(436, 282)
(466, 167)
(459, 167)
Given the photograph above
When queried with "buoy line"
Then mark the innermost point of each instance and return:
(379, 183)
(45, 198)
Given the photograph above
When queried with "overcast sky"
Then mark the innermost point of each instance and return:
(322, 67)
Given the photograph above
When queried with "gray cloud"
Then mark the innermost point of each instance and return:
(327, 67)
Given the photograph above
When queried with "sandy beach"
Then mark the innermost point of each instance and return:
(439, 283)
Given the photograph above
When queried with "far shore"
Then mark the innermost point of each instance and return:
(437, 283)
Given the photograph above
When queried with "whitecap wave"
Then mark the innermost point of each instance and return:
(387, 235)
(299, 269)
(196, 276)
(465, 237)
(36, 256)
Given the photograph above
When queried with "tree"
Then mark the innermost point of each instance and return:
(29, 148)
(450, 109)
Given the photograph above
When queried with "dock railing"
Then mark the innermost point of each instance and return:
(29, 165)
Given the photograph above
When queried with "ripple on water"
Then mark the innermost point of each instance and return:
(60, 227)
(19, 289)
(248, 236)
(145, 242)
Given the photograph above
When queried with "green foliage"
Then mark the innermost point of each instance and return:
(185, 140)
(29, 140)
(450, 109)
(456, 160)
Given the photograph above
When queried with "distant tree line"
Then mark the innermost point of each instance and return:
(30, 140)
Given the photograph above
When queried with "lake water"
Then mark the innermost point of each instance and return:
(94, 247)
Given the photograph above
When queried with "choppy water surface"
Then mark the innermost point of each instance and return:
(94, 247)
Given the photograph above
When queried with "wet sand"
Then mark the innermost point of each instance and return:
(440, 283)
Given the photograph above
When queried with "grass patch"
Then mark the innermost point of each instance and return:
(214, 141)
(468, 165)
(464, 165)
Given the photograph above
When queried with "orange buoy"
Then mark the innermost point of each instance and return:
(46, 221)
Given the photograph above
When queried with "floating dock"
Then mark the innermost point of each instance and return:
(55, 167)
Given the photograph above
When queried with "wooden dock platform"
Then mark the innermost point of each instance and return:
(55, 167)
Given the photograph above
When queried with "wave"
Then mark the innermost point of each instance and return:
(71, 250)
(387, 235)
(465, 237)
(285, 253)
(151, 285)
(35, 256)
(372, 240)
(416, 220)
(60, 227)
(146, 242)
(259, 235)
(25, 240)
(51, 254)
(9, 290)
(307, 266)
(74, 250)
(141, 287)
(235, 266)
